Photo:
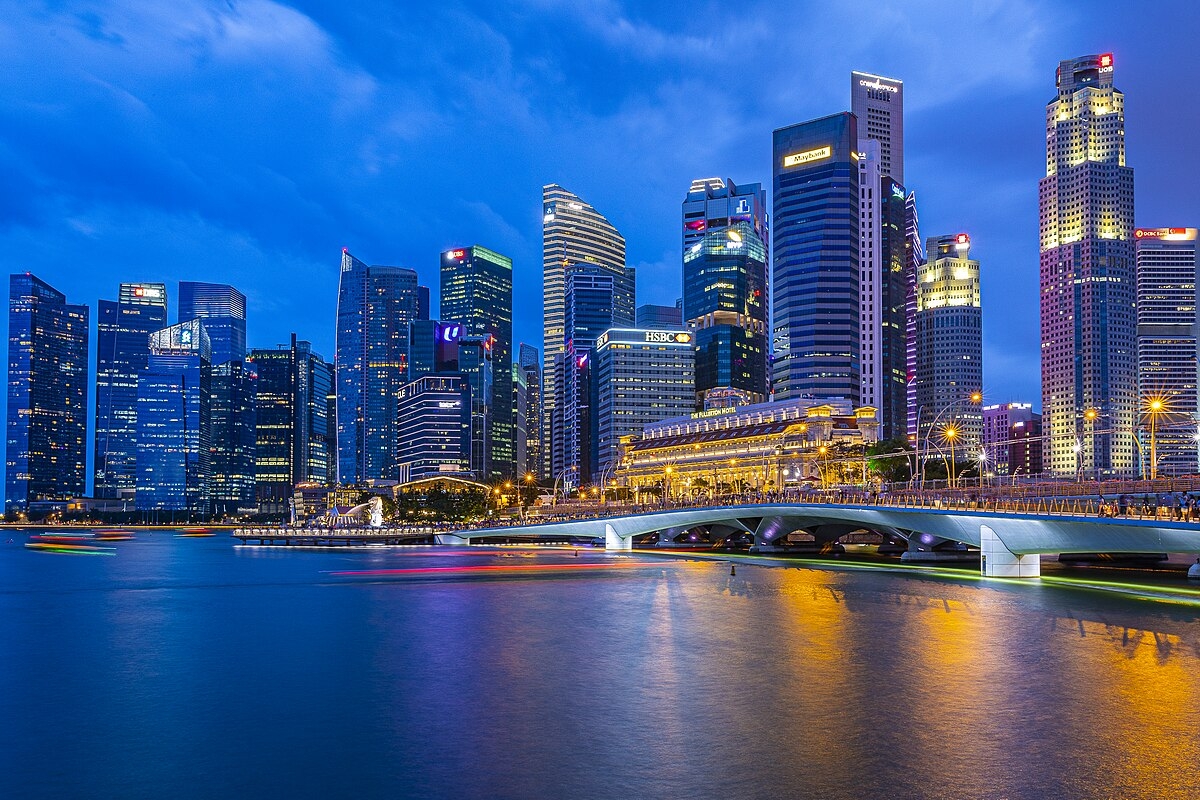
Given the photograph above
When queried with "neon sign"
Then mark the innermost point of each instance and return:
(816, 154)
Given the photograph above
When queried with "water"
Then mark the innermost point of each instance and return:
(191, 668)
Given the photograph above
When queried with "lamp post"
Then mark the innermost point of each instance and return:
(823, 452)
(554, 491)
(1089, 417)
(974, 397)
(667, 470)
(983, 457)
(950, 433)
(1154, 407)
(1077, 448)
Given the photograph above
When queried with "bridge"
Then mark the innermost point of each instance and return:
(1010, 538)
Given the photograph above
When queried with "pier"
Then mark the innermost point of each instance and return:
(332, 537)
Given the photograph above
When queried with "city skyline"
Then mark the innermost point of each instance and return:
(189, 237)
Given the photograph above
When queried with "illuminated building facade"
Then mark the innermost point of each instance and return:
(999, 439)
(174, 448)
(725, 294)
(762, 447)
(1166, 344)
(914, 257)
(435, 427)
(573, 232)
(223, 309)
(477, 291)
(293, 428)
(528, 365)
(123, 328)
(642, 376)
(590, 309)
(883, 287)
(816, 259)
(231, 483)
(878, 104)
(375, 306)
(949, 344)
(1088, 319)
(46, 453)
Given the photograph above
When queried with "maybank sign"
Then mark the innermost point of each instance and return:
(808, 156)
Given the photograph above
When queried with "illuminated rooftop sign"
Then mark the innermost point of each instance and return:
(1168, 234)
(808, 156)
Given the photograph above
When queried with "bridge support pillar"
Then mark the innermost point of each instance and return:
(614, 542)
(997, 561)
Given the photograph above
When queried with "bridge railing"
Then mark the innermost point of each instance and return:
(1178, 507)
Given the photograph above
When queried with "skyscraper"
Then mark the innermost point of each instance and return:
(375, 306)
(590, 309)
(878, 104)
(1166, 344)
(46, 454)
(1088, 322)
(535, 438)
(573, 232)
(663, 318)
(477, 292)
(123, 331)
(174, 454)
(435, 427)
(231, 481)
(914, 257)
(223, 309)
(725, 256)
(725, 302)
(643, 376)
(883, 258)
(949, 345)
(293, 428)
(816, 244)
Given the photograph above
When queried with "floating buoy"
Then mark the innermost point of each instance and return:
(733, 569)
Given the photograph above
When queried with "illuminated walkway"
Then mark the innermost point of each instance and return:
(1010, 541)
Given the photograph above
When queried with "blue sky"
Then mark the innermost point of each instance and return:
(248, 142)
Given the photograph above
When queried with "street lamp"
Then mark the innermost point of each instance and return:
(1077, 448)
(1155, 406)
(1089, 416)
(974, 397)
(554, 491)
(950, 433)
(823, 452)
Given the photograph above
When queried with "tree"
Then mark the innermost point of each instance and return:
(884, 461)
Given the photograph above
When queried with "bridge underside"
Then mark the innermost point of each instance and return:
(922, 532)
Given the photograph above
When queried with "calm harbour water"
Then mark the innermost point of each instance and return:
(190, 668)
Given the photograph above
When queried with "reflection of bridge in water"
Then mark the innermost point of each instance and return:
(1010, 538)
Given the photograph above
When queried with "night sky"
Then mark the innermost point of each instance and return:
(248, 142)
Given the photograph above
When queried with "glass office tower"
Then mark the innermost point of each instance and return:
(573, 232)
(123, 331)
(223, 309)
(476, 291)
(233, 388)
(46, 453)
(725, 300)
(816, 251)
(293, 426)
(725, 295)
(375, 306)
(174, 455)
